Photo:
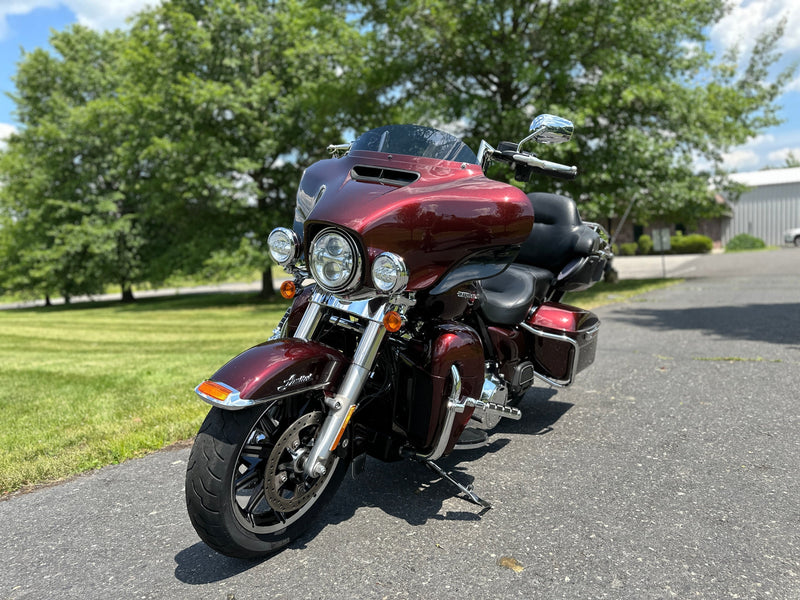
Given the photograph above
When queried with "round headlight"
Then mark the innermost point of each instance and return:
(284, 245)
(334, 260)
(389, 273)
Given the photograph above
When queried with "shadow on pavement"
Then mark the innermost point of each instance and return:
(404, 489)
(774, 323)
(200, 565)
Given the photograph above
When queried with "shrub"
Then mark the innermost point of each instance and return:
(628, 249)
(645, 244)
(744, 241)
(690, 244)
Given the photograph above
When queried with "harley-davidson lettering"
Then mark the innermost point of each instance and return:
(293, 381)
(471, 296)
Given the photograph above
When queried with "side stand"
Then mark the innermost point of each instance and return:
(465, 489)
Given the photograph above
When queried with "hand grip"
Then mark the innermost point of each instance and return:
(545, 167)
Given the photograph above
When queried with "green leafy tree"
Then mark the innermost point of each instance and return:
(175, 147)
(648, 97)
(229, 101)
(64, 230)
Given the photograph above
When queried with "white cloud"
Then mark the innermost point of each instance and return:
(750, 154)
(780, 156)
(745, 21)
(763, 151)
(6, 129)
(97, 14)
(740, 159)
(102, 14)
(794, 86)
(761, 140)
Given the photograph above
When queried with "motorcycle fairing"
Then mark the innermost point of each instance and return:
(273, 370)
(451, 212)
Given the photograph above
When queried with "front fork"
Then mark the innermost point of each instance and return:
(344, 403)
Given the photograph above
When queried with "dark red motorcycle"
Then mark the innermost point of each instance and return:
(425, 303)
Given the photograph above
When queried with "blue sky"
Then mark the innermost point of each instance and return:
(27, 24)
(28, 31)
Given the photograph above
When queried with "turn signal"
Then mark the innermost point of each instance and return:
(392, 321)
(288, 289)
(214, 390)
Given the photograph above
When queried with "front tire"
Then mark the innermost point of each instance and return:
(246, 493)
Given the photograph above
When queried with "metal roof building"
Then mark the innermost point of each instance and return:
(768, 208)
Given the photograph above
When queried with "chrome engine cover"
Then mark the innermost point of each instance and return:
(494, 391)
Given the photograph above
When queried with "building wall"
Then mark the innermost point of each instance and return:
(713, 228)
(765, 212)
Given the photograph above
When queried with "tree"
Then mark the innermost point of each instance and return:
(230, 100)
(647, 96)
(62, 227)
(159, 150)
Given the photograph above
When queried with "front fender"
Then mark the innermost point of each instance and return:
(273, 370)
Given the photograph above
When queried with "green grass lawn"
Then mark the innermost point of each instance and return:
(605, 293)
(89, 385)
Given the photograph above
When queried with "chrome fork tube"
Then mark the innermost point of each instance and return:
(311, 318)
(344, 403)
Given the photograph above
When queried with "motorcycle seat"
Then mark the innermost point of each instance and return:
(505, 299)
(559, 236)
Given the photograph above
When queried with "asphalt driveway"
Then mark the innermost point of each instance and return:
(670, 469)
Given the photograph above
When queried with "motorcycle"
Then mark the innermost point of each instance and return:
(425, 302)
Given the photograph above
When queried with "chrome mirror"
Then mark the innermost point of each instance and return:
(550, 129)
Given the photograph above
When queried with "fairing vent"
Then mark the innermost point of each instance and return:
(383, 176)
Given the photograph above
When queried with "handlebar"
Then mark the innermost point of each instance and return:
(511, 154)
(546, 167)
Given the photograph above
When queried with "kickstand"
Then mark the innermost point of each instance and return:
(466, 489)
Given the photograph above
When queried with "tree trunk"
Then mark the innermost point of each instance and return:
(127, 293)
(267, 285)
(47, 301)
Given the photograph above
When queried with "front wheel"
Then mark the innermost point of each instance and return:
(246, 493)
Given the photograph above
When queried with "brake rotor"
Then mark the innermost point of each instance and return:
(286, 487)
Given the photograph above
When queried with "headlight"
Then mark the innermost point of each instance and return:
(335, 261)
(284, 246)
(389, 273)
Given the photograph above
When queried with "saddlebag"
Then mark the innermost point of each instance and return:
(564, 341)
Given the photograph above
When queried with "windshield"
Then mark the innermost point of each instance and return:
(415, 140)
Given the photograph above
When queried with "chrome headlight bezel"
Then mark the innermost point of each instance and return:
(284, 246)
(389, 273)
(319, 260)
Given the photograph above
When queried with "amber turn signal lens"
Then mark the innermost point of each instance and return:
(392, 321)
(214, 390)
(288, 289)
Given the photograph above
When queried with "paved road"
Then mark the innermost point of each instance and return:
(776, 262)
(669, 470)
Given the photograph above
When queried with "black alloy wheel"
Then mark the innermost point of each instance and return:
(246, 492)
